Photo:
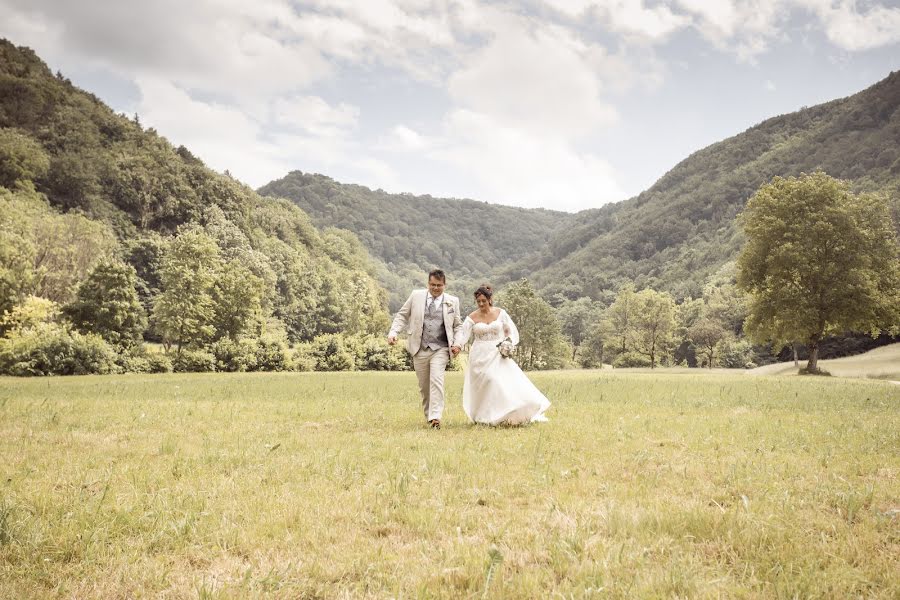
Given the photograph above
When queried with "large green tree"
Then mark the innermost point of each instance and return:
(541, 343)
(107, 304)
(654, 324)
(184, 311)
(576, 318)
(818, 260)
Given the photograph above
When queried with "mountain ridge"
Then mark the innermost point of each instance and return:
(680, 230)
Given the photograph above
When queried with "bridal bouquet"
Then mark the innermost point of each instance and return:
(506, 348)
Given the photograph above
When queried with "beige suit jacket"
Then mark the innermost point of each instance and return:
(411, 316)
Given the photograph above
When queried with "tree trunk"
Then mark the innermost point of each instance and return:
(813, 365)
(796, 362)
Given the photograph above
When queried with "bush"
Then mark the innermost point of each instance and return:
(54, 350)
(302, 359)
(133, 363)
(735, 354)
(331, 354)
(193, 361)
(630, 360)
(234, 356)
(158, 363)
(272, 353)
(373, 353)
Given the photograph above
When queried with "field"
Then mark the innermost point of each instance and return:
(329, 485)
(880, 363)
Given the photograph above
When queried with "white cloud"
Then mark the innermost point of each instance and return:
(853, 30)
(403, 139)
(517, 89)
(630, 17)
(315, 116)
(535, 80)
(514, 167)
(222, 136)
(770, 86)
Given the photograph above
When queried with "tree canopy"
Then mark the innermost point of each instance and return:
(819, 259)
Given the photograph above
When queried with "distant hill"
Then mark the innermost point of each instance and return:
(63, 147)
(677, 233)
(671, 237)
(411, 235)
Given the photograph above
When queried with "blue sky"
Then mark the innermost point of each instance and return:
(564, 104)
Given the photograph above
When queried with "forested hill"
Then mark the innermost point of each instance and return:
(682, 229)
(412, 234)
(80, 183)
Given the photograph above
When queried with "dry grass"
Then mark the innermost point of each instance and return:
(880, 363)
(328, 485)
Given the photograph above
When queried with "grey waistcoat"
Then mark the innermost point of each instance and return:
(434, 334)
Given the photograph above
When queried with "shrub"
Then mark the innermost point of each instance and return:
(735, 354)
(373, 353)
(272, 353)
(331, 354)
(301, 358)
(51, 349)
(234, 356)
(133, 363)
(193, 361)
(158, 362)
(630, 360)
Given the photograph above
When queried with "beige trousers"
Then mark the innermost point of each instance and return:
(430, 366)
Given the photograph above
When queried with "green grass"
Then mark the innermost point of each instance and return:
(329, 485)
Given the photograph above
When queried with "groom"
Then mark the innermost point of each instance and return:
(431, 318)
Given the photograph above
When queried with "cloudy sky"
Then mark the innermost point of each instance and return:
(565, 104)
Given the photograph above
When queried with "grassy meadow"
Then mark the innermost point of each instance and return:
(309, 485)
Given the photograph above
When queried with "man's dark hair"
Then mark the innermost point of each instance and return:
(437, 274)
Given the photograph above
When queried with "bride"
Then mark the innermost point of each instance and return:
(496, 391)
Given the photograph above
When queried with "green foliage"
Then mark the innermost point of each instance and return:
(144, 253)
(234, 356)
(22, 159)
(818, 260)
(541, 343)
(51, 349)
(373, 353)
(676, 234)
(184, 312)
(631, 359)
(735, 353)
(115, 180)
(193, 361)
(619, 318)
(272, 353)
(576, 319)
(107, 304)
(237, 300)
(158, 363)
(654, 325)
(410, 235)
(30, 313)
(45, 253)
(707, 334)
(330, 352)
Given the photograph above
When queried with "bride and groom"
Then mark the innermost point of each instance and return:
(495, 390)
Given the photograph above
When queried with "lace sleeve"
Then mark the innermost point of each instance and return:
(509, 328)
(462, 336)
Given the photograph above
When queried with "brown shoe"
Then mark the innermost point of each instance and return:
(435, 423)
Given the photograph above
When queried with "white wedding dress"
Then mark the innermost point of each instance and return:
(496, 391)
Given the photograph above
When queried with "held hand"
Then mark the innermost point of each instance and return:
(392, 339)
(454, 350)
